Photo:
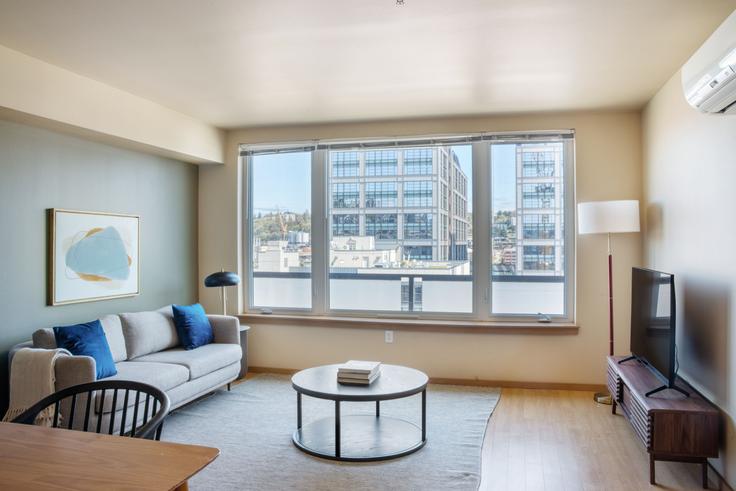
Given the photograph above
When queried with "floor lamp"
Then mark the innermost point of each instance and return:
(608, 217)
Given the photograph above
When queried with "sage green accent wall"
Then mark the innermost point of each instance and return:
(40, 169)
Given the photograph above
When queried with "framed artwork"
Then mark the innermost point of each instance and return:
(92, 256)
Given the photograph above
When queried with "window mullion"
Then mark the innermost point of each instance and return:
(247, 242)
(569, 240)
(319, 236)
(481, 230)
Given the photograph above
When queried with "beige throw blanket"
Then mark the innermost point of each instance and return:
(32, 377)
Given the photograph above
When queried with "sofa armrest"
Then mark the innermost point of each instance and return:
(15, 349)
(226, 328)
(74, 370)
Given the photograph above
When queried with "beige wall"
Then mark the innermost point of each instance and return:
(38, 93)
(690, 230)
(608, 149)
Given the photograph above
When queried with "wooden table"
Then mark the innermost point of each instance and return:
(38, 458)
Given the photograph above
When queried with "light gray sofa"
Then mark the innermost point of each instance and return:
(146, 348)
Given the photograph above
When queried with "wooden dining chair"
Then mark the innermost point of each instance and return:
(149, 406)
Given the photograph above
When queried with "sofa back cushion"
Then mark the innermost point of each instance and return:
(44, 338)
(149, 332)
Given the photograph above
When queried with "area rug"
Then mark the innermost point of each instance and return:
(252, 426)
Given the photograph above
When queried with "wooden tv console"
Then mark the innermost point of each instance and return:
(671, 426)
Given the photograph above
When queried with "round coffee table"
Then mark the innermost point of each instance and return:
(366, 437)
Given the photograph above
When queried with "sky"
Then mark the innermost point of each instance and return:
(282, 181)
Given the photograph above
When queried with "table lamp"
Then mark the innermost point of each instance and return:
(608, 217)
(222, 279)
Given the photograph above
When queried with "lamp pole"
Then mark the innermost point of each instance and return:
(224, 297)
(610, 296)
(608, 217)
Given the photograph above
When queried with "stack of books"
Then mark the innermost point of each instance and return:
(358, 372)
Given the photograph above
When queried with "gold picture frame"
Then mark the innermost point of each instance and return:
(92, 256)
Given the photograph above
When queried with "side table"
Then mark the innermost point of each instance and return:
(244, 345)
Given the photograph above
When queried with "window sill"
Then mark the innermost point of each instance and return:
(428, 325)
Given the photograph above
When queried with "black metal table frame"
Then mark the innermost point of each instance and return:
(377, 399)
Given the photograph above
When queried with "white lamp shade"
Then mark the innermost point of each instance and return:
(608, 217)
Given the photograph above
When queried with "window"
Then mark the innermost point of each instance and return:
(538, 164)
(392, 229)
(417, 226)
(345, 195)
(395, 263)
(539, 226)
(382, 227)
(380, 195)
(528, 236)
(280, 224)
(345, 164)
(418, 162)
(417, 194)
(539, 258)
(345, 225)
(538, 195)
(381, 163)
(418, 253)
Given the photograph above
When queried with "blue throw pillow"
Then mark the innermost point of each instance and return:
(88, 339)
(192, 325)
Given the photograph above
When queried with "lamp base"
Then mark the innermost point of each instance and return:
(603, 398)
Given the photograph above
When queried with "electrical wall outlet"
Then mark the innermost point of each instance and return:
(388, 336)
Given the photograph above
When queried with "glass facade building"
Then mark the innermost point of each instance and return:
(403, 198)
(540, 209)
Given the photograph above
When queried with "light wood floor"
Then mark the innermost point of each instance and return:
(563, 440)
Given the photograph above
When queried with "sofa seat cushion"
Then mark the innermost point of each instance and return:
(199, 361)
(164, 376)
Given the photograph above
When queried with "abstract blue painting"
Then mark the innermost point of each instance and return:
(94, 256)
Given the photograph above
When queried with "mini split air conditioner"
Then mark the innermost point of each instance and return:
(709, 76)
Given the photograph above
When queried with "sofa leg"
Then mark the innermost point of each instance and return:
(228, 387)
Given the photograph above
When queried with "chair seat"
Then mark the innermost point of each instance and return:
(200, 361)
(163, 376)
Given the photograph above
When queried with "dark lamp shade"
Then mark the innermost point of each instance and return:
(222, 278)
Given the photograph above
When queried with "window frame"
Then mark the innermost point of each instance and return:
(481, 222)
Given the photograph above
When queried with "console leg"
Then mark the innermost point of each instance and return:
(378, 409)
(613, 406)
(228, 387)
(652, 478)
(705, 474)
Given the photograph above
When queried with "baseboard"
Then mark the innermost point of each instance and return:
(280, 371)
(472, 382)
(510, 384)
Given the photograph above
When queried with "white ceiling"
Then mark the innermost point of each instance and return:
(262, 62)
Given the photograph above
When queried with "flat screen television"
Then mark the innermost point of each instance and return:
(653, 323)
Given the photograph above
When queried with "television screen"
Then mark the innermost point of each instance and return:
(653, 320)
